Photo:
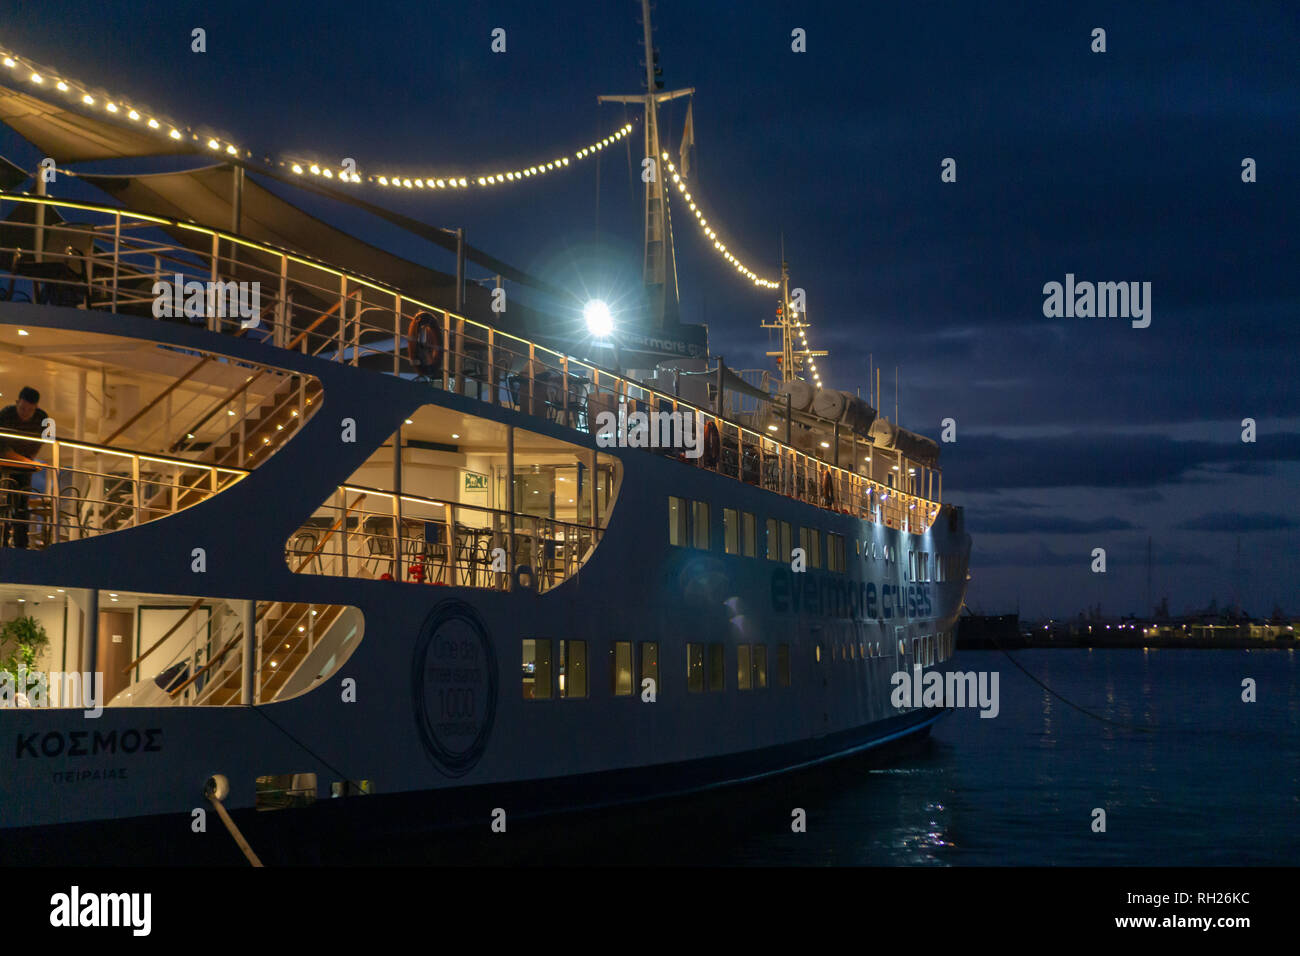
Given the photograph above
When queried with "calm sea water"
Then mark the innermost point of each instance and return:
(1217, 781)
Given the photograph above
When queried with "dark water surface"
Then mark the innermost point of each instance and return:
(1217, 782)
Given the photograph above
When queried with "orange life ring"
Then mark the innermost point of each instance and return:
(424, 344)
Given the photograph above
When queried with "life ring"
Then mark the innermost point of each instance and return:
(424, 344)
(712, 446)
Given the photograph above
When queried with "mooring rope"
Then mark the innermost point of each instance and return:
(212, 792)
(1146, 729)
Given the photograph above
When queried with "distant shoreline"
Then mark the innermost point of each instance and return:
(1021, 642)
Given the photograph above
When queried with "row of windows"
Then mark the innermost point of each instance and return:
(559, 668)
(929, 650)
(547, 674)
(688, 526)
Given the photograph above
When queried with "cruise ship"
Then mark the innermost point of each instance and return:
(357, 552)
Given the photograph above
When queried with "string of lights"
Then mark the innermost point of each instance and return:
(803, 341)
(711, 234)
(39, 76)
(430, 181)
(117, 107)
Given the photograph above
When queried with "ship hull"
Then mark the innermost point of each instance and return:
(381, 718)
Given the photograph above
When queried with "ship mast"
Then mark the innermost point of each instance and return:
(794, 354)
(659, 269)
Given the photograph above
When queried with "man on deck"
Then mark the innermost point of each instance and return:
(17, 465)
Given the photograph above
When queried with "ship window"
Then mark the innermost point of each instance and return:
(817, 653)
(280, 791)
(811, 541)
(695, 668)
(677, 522)
(700, 524)
(862, 650)
(621, 668)
(731, 530)
(835, 557)
(773, 541)
(902, 648)
(717, 663)
(573, 669)
(787, 541)
(783, 665)
(744, 677)
(748, 535)
(650, 662)
(537, 669)
(760, 666)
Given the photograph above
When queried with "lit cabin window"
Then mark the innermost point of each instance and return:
(537, 669)
(677, 522)
(620, 659)
(817, 653)
(783, 665)
(650, 663)
(805, 542)
(744, 677)
(695, 668)
(700, 524)
(760, 666)
(835, 556)
(731, 530)
(573, 669)
(748, 535)
(717, 663)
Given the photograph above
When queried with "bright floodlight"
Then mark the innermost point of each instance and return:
(599, 321)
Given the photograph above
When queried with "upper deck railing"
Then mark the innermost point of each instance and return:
(100, 257)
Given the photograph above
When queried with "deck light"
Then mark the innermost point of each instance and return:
(598, 318)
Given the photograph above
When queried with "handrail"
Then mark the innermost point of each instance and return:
(334, 527)
(441, 502)
(494, 339)
(208, 666)
(145, 409)
(198, 603)
(93, 448)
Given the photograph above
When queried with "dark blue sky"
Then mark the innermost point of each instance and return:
(1072, 433)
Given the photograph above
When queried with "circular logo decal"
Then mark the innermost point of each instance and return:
(454, 687)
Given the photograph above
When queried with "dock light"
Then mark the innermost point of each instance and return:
(599, 320)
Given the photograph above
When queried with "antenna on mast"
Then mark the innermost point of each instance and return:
(659, 266)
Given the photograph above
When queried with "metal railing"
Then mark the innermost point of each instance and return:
(437, 542)
(88, 489)
(117, 260)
